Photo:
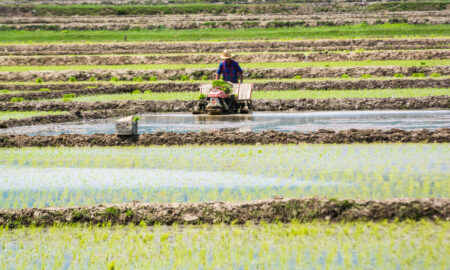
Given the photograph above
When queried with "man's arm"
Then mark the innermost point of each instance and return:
(219, 71)
(241, 77)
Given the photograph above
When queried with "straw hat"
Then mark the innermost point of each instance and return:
(226, 55)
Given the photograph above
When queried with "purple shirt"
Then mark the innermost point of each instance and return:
(230, 71)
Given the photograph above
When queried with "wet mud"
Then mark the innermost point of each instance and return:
(267, 86)
(217, 47)
(213, 58)
(231, 137)
(274, 210)
(210, 73)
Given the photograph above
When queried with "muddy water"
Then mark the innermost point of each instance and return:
(256, 122)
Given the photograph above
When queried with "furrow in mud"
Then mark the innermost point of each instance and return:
(274, 210)
(267, 86)
(213, 58)
(217, 47)
(210, 73)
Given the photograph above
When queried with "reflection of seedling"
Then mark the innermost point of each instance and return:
(153, 78)
(135, 92)
(44, 90)
(136, 118)
(202, 96)
(39, 80)
(398, 75)
(435, 75)
(417, 75)
(72, 79)
(365, 76)
(114, 79)
(224, 86)
(184, 78)
(137, 79)
(297, 77)
(345, 76)
(92, 79)
(16, 99)
(204, 78)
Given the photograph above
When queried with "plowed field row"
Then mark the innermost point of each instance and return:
(198, 74)
(221, 21)
(213, 58)
(217, 47)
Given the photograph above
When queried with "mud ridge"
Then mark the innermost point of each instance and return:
(217, 47)
(268, 86)
(213, 58)
(274, 210)
(210, 73)
(230, 137)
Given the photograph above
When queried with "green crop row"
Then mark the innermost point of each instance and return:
(402, 63)
(348, 31)
(5, 115)
(285, 94)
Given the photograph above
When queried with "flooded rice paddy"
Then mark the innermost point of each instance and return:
(256, 122)
(33, 177)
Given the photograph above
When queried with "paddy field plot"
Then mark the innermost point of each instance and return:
(33, 177)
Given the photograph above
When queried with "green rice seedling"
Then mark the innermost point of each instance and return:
(138, 79)
(418, 75)
(38, 80)
(204, 78)
(136, 118)
(4, 91)
(366, 76)
(92, 79)
(153, 78)
(345, 76)
(435, 75)
(222, 85)
(327, 65)
(184, 78)
(148, 92)
(368, 61)
(398, 75)
(114, 79)
(72, 79)
(136, 92)
(19, 115)
(201, 96)
(70, 95)
(423, 63)
(16, 99)
(44, 90)
(91, 87)
(297, 77)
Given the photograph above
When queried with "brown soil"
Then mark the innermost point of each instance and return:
(274, 210)
(278, 86)
(213, 58)
(203, 21)
(250, 73)
(216, 47)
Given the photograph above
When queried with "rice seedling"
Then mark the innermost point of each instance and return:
(44, 90)
(5, 115)
(417, 75)
(72, 79)
(153, 78)
(398, 75)
(92, 79)
(297, 77)
(33, 177)
(435, 75)
(38, 80)
(16, 99)
(136, 92)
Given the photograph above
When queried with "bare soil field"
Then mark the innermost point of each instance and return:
(275, 210)
(251, 73)
(213, 58)
(205, 21)
(217, 47)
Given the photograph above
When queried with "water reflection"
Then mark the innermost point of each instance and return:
(257, 122)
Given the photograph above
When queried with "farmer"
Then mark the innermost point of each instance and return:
(229, 68)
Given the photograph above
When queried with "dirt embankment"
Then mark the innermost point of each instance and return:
(250, 73)
(277, 86)
(274, 210)
(213, 58)
(217, 47)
